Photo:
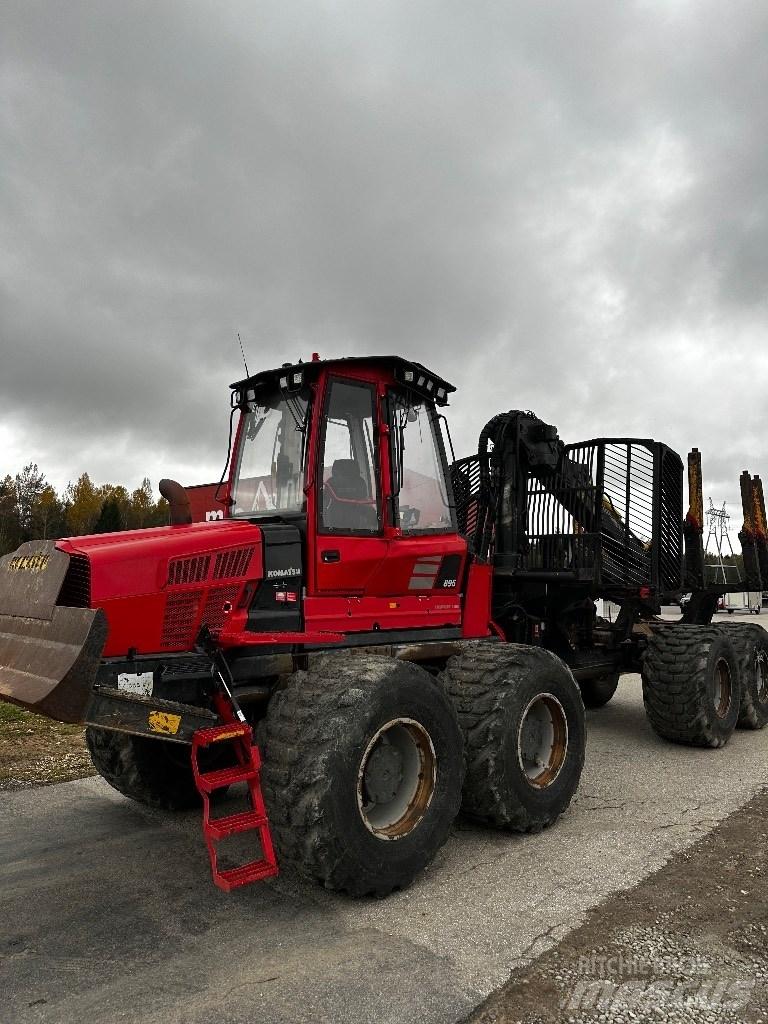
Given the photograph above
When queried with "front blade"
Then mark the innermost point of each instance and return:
(49, 665)
(49, 655)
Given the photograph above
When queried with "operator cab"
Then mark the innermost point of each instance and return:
(357, 402)
(350, 453)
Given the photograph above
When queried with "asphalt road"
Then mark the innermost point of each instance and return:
(107, 912)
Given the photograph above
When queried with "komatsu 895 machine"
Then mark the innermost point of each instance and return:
(374, 637)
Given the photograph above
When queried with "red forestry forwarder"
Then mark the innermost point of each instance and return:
(404, 637)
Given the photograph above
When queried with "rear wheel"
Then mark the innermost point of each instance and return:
(523, 722)
(692, 684)
(362, 772)
(751, 646)
(597, 692)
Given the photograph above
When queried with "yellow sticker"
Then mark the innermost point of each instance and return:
(161, 721)
(29, 563)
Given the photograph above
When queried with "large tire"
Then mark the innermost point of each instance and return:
(597, 692)
(751, 646)
(152, 771)
(362, 775)
(506, 696)
(692, 685)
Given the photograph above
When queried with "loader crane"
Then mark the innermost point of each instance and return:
(373, 638)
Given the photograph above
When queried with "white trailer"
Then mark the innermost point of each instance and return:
(743, 601)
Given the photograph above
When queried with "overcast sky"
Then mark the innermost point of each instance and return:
(558, 206)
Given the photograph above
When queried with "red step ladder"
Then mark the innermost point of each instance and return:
(247, 770)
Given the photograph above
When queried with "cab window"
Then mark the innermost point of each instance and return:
(421, 502)
(350, 499)
(269, 476)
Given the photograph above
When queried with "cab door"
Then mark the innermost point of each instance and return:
(350, 544)
(387, 554)
(424, 569)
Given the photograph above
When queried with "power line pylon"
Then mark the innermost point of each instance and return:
(719, 531)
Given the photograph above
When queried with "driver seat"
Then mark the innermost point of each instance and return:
(348, 504)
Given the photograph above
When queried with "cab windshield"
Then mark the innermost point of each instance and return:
(269, 475)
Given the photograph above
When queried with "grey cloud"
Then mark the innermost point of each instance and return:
(561, 206)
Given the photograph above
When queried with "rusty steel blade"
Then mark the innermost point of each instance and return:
(49, 665)
(49, 655)
(31, 578)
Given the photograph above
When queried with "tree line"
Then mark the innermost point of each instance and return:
(30, 508)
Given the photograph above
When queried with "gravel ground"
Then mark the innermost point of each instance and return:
(689, 944)
(35, 751)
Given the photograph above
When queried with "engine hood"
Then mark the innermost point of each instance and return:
(141, 562)
(157, 586)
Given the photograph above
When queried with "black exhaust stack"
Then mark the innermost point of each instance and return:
(178, 501)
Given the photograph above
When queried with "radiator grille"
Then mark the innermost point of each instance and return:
(231, 564)
(181, 611)
(188, 570)
(76, 589)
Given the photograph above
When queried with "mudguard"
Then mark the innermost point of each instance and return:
(49, 654)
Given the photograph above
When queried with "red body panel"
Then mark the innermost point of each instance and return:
(477, 602)
(366, 614)
(204, 505)
(145, 608)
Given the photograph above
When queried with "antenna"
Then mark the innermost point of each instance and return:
(242, 351)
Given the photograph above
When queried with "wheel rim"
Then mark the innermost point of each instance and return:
(761, 674)
(542, 740)
(396, 779)
(723, 688)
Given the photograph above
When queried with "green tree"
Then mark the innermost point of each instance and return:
(119, 495)
(10, 526)
(47, 520)
(144, 510)
(110, 520)
(30, 484)
(83, 506)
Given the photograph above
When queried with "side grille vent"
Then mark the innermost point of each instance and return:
(76, 589)
(213, 613)
(188, 570)
(179, 620)
(231, 564)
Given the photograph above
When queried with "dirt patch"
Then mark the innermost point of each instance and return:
(689, 943)
(36, 751)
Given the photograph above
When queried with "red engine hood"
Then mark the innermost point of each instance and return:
(157, 586)
(136, 562)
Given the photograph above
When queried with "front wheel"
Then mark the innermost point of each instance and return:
(524, 729)
(362, 775)
(154, 772)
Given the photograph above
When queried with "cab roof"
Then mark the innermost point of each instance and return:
(291, 376)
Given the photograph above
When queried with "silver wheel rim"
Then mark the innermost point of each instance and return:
(723, 688)
(542, 740)
(396, 778)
